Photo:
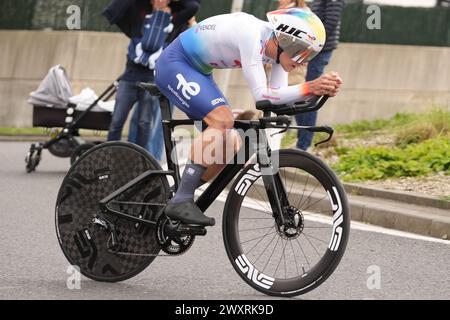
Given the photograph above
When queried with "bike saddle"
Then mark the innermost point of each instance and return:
(150, 87)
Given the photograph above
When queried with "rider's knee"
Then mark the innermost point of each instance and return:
(228, 124)
(225, 128)
(221, 118)
(223, 124)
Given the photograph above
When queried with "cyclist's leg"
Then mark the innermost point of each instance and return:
(199, 97)
(214, 147)
(222, 147)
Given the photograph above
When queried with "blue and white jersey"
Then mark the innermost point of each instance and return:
(238, 40)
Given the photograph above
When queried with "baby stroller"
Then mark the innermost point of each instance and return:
(54, 106)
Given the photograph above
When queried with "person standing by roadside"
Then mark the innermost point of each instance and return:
(183, 12)
(147, 23)
(329, 11)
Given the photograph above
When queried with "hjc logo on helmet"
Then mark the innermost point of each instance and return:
(290, 30)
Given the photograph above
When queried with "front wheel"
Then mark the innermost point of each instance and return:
(295, 258)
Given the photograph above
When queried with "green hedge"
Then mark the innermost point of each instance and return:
(17, 14)
(399, 25)
(44, 14)
(211, 8)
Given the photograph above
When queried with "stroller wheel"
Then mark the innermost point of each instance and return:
(32, 159)
(62, 148)
(79, 151)
(28, 164)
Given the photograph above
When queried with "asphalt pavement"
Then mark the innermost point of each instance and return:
(378, 263)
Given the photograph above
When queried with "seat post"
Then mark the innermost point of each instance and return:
(164, 104)
(169, 143)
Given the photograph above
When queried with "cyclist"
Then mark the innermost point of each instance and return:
(239, 40)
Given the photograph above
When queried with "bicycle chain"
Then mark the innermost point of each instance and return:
(131, 203)
(135, 254)
(140, 254)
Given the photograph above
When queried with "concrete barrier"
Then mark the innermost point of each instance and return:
(92, 59)
(380, 80)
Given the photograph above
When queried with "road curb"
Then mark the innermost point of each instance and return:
(394, 216)
(395, 195)
(24, 138)
(43, 138)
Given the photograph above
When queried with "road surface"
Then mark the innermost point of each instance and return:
(32, 265)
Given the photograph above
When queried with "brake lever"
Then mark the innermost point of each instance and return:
(329, 131)
(280, 120)
(279, 132)
(282, 131)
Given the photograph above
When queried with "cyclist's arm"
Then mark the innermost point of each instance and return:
(278, 92)
(278, 77)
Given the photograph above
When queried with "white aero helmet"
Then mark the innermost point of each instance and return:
(299, 32)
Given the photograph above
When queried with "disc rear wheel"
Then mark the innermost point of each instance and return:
(99, 172)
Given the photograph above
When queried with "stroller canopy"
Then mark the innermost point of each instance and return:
(55, 90)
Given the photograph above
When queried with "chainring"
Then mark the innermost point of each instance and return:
(170, 242)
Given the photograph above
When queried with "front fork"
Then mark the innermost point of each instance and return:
(273, 183)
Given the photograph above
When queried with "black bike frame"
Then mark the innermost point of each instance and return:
(275, 192)
(225, 176)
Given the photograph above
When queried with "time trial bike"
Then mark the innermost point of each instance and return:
(285, 223)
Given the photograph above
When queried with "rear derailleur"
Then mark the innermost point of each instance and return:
(105, 225)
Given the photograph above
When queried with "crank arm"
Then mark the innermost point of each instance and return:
(186, 230)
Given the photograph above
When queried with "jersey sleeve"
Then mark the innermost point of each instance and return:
(278, 77)
(278, 92)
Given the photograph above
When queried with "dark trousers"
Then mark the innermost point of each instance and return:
(315, 70)
(127, 94)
